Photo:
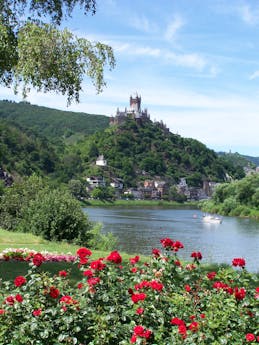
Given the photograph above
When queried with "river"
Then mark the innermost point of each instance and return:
(140, 229)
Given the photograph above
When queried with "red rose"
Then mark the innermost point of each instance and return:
(138, 297)
(2, 311)
(38, 259)
(156, 252)
(67, 300)
(187, 288)
(194, 326)
(80, 285)
(18, 298)
(140, 311)
(239, 293)
(9, 300)
(211, 275)
(88, 273)
(134, 260)
(196, 255)
(182, 330)
(37, 312)
(177, 245)
(176, 321)
(167, 243)
(62, 273)
(97, 265)
(83, 252)
(19, 281)
(239, 262)
(250, 337)
(93, 281)
(54, 292)
(114, 257)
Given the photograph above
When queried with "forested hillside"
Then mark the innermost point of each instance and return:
(25, 153)
(138, 151)
(51, 123)
(38, 139)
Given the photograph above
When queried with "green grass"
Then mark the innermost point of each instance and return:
(9, 270)
(142, 203)
(10, 239)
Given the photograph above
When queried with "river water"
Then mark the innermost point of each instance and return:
(139, 230)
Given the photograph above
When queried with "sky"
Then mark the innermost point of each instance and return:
(195, 64)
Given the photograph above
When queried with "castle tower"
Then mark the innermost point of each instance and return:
(135, 103)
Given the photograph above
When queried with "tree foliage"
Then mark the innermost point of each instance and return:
(31, 205)
(238, 198)
(36, 53)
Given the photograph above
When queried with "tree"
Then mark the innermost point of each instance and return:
(37, 54)
(56, 215)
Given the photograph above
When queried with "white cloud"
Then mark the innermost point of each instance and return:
(254, 75)
(143, 24)
(249, 15)
(173, 27)
(186, 60)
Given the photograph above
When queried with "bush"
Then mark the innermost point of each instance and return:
(56, 215)
(160, 302)
(15, 200)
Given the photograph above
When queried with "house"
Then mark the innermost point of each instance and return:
(100, 161)
(116, 183)
(96, 181)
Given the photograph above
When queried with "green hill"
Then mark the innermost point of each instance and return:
(31, 139)
(24, 153)
(51, 123)
(137, 151)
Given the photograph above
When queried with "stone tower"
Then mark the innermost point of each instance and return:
(135, 103)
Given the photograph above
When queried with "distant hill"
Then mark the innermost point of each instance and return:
(24, 153)
(46, 141)
(51, 123)
(136, 151)
(240, 160)
(254, 160)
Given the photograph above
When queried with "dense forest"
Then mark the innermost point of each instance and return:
(51, 123)
(65, 145)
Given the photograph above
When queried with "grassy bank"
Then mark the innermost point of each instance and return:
(140, 203)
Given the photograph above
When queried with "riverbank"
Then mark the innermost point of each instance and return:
(139, 203)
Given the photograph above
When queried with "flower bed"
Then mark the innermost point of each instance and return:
(25, 254)
(159, 302)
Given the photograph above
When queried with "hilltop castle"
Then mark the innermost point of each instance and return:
(134, 112)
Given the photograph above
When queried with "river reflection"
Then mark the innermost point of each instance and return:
(140, 229)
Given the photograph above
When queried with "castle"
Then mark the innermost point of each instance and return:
(134, 112)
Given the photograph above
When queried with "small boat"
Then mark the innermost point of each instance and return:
(212, 219)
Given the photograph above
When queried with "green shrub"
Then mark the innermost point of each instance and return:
(56, 215)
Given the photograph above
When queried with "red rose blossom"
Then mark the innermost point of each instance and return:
(240, 262)
(38, 259)
(83, 252)
(138, 297)
(114, 257)
(62, 273)
(97, 265)
(250, 337)
(239, 293)
(9, 300)
(196, 255)
(54, 292)
(37, 312)
(93, 281)
(19, 281)
(211, 275)
(19, 298)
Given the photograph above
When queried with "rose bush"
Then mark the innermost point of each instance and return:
(160, 302)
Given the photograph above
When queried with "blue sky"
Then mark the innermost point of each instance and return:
(195, 64)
